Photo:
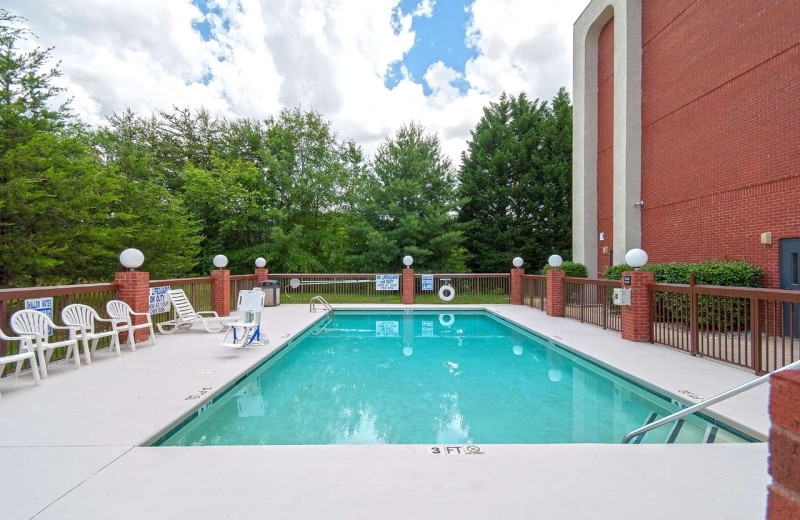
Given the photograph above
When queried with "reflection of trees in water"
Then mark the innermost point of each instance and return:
(349, 386)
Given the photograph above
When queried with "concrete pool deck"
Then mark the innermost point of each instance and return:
(72, 448)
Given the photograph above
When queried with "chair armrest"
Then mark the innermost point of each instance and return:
(213, 314)
(140, 313)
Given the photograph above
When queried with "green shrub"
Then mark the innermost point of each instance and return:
(729, 274)
(572, 269)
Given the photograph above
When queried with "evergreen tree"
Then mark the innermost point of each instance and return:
(515, 179)
(408, 207)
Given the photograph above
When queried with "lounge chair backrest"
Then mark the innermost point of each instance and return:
(119, 310)
(251, 301)
(80, 315)
(29, 322)
(183, 307)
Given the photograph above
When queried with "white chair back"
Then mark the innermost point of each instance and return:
(31, 322)
(252, 301)
(79, 315)
(119, 310)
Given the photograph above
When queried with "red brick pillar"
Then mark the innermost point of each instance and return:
(134, 289)
(408, 286)
(555, 292)
(784, 447)
(636, 316)
(516, 285)
(262, 273)
(221, 291)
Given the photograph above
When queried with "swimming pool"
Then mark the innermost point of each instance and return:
(425, 377)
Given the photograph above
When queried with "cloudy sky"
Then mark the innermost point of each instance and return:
(368, 66)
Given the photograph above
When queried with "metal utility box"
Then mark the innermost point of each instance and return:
(272, 293)
(622, 297)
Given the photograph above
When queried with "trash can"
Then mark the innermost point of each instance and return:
(272, 293)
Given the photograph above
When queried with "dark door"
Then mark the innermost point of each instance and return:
(790, 279)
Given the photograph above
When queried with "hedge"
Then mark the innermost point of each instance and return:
(729, 274)
(573, 269)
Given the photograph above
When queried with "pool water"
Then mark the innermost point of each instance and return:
(430, 378)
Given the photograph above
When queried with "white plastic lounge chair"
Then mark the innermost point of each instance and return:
(38, 326)
(247, 329)
(25, 352)
(186, 316)
(124, 316)
(82, 318)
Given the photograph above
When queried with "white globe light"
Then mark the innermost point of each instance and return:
(517, 262)
(555, 261)
(220, 261)
(518, 350)
(131, 258)
(636, 258)
(260, 262)
(407, 351)
(407, 260)
(555, 375)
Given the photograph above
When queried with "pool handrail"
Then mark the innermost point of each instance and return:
(320, 300)
(705, 404)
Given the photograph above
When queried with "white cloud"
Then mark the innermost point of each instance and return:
(328, 55)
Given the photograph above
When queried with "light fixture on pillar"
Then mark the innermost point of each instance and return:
(260, 262)
(636, 258)
(220, 261)
(407, 261)
(555, 261)
(517, 262)
(131, 259)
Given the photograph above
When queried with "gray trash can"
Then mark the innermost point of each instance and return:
(272, 293)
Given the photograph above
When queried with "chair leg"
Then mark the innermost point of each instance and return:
(152, 334)
(75, 353)
(42, 362)
(115, 343)
(35, 371)
(131, 339)
(86, 350)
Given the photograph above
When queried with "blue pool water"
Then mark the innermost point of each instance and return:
(429, 378)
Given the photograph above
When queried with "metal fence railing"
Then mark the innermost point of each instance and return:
(590, 301)
(198, 290)
(469, 288)
(752, 328)
(534, 291)
(335, 288)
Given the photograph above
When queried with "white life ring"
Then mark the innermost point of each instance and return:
(447, 293)
(449, 321)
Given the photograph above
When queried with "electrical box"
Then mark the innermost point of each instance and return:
(622, 297)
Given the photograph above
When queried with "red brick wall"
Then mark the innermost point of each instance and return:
(134, 289)
(605, 144)
(221, 291)
(720, 133)
(636, 316)
(516, 296)
(784, 447)
(555, 292)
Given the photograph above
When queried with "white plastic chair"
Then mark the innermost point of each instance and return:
(38, 326)
(247, 329)
(123, 317)
(82, 318)
(186, 316)
(25, 352)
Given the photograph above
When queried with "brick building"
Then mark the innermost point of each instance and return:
(687, 133)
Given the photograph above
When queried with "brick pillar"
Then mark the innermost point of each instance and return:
(221, 291)
(408, 286)
(262, 273)
(134, 289)
(636, 316)
(784, 446)
(516, 285)
(555, 292)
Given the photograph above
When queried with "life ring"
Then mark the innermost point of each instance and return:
(447, 293)
(446, 323)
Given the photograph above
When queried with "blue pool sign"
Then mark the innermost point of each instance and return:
(44, 305)
(427, 282)
(387, 282)
(158, 299)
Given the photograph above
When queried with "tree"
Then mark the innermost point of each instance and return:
(408, 207)
(516, 179)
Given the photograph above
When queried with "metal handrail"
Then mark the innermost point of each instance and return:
(705, 404)
(318, 299)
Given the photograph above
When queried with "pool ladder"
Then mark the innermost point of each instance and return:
(705, 404)
(318, 300)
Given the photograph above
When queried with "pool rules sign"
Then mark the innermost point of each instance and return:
(387, 282)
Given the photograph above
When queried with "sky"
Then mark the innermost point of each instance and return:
(367, 66)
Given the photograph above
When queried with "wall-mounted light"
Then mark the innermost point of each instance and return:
(639, 204)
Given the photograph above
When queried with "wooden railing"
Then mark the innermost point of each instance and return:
(198, 290)
(534, 291)
(752, 328)
(590, 301)
(12, 300)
